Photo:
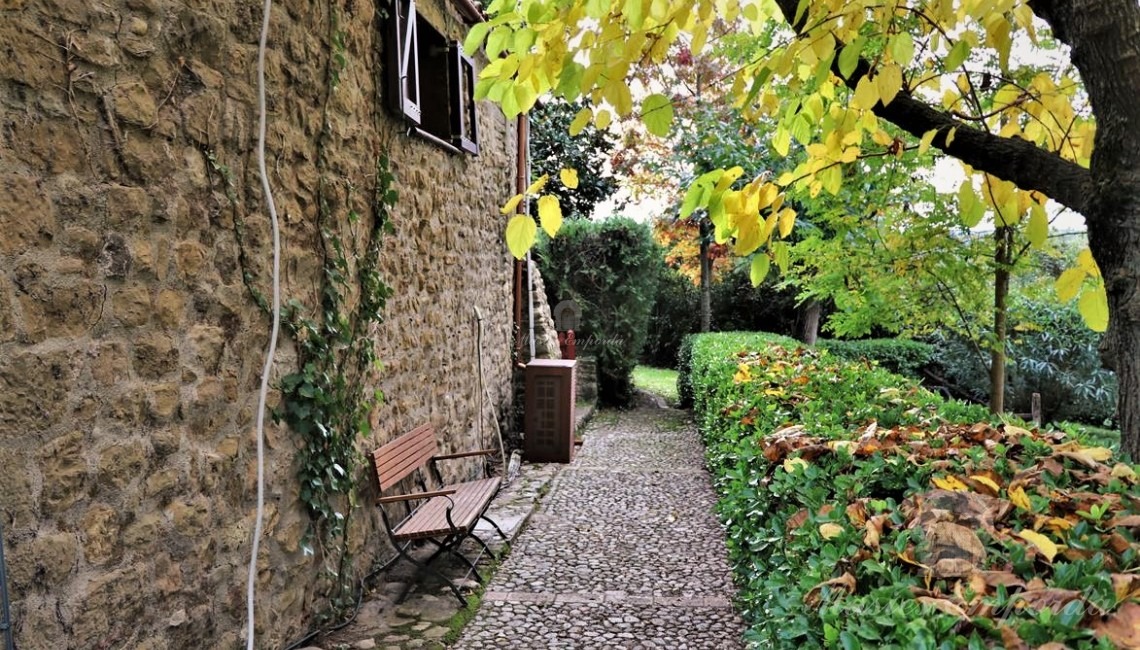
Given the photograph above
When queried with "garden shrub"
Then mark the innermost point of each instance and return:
(610, 269)
(901, 356)
(675, 315)
(834, 478)
(1050, 352)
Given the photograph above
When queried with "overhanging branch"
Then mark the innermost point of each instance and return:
(1019, 161)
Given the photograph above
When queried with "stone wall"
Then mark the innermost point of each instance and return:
(130, 346)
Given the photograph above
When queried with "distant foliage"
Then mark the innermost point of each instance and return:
(1051, 352)
(900, 356)
(736, 305)
(552, 148)
(610, 268)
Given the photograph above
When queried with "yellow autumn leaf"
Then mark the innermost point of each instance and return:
(1019, 498)
(1069, 284)
(986, 481)
(581, 120)
(512, 205)
(792, 464)
(888, 81)
(836, 445)
(537, 186)
(866, 94)
(927, 139)
(950, 483)
(569, 178)
(830, 530)
(1040, 542)
(550, 214)
(787, 220)
(1093, 307)
(1124, 472)
(521, 231)
(1099, 454)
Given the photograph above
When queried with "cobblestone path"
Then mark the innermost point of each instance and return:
(625, 551)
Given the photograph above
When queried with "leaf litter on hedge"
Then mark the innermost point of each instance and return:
(1004, 536)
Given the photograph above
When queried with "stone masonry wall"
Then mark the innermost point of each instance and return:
(131, 348)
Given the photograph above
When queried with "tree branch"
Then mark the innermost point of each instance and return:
(1013, 159)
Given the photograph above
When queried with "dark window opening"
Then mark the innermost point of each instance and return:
(431, 83)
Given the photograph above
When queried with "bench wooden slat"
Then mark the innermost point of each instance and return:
(398, 459)
(430, 520)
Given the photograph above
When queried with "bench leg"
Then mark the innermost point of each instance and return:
(426, 565)
(495, 526)
(452, 548)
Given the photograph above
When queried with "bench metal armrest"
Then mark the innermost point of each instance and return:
(464, 454)
(415, 495)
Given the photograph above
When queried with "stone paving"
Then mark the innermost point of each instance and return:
(625, 551)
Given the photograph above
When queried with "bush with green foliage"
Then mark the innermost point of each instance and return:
(901, 356)
(823, 467)
(675, 315)
(610, 269)
(1050, 352)
(552, 149)
(734, 305)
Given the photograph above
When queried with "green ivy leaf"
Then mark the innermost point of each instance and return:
(657, 114)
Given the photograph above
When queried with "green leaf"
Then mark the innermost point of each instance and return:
(759, 270)
(521, 232)
(902, 48)
(695, 197)
(957, 55)
(570, 81)
(475, 38)
(657, 114)
(849, 57)
(969, 207)
(498, 41)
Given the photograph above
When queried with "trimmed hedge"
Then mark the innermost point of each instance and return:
(901, 356)
(864, 511)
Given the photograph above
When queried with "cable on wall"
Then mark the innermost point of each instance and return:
(251, 590)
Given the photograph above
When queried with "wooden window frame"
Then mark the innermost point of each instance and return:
(464, 116)
(403, 62)
(449, 122)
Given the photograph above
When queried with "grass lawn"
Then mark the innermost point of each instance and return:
(659, 381)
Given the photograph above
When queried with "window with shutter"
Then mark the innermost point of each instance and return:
(431, 83)
(403, 61)
(464, 126)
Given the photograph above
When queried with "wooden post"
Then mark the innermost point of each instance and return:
(1035, 408)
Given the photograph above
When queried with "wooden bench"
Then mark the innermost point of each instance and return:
(444, 516)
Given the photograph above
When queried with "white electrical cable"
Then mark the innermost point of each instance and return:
(263, 394)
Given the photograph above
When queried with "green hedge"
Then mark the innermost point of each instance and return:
(901, 356)
(610, 269)
(811, 454)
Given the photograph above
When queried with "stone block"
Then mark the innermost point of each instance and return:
(112, 606)
(190, 516)
(121, 464)
(132, 102)
(27, 219)
(33, 391)
(109, 363)
(190, 257)
(144, 531)
(165, 401)
(131, 306)
(101, 539)
(170, 308)
(162, 483)
(128, 208)
(155, 356)
(64, 469)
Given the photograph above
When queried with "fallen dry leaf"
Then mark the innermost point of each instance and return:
(1040, 542)
(1047, 598)
(1122, 627)
(1010, 640)
(949, 541)
(944, 606)
(830, 530)
(845, 582)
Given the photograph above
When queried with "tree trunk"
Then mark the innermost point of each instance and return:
(1003, 254)
(1114, 237)
(706, 276)
(809, 321)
